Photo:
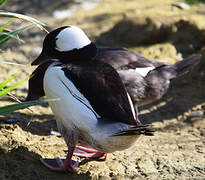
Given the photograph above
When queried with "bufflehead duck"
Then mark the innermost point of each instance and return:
(94, 106)
(145, 80)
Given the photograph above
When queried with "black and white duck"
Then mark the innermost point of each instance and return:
(94, 106)
(145, 80)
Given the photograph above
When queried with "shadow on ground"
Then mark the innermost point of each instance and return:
(36, 124)
(185, 35)
(22, 164)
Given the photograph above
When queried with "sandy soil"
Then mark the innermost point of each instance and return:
(176, 151)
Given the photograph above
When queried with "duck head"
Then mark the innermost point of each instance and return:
(68, 43)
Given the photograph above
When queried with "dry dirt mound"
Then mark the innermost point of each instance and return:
(184, 34)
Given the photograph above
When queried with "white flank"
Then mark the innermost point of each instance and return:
(144, 71)
(73, 109)
(71, 38)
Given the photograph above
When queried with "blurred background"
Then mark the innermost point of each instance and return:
(164, 30)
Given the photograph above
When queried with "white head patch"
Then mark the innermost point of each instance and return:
(71, 38)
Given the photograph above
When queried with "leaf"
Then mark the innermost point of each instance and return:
(5, 25)
(2, 1)
(23, 105)
(4, 38)
(10, 88)
(3, 84)
(24, 17)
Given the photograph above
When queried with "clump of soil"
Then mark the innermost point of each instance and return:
(184, 34)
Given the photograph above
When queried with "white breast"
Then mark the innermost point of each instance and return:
(73, 109)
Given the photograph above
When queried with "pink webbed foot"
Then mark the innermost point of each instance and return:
(89, 153)
(60, 165)
(67, 164)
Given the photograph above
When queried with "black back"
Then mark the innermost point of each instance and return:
(120, 58)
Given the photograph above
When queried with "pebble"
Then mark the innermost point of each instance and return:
(197, 114)
(181, 5)
(55, 133)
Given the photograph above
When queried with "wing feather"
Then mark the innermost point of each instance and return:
(103, 88)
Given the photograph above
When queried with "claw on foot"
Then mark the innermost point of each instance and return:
(66, 165)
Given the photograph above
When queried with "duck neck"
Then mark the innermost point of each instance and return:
(84, 54)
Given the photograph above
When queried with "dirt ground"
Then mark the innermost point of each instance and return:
(153, 28)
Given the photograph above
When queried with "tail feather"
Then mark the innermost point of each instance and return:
(180, 67)
(137, 130)
(186, 64)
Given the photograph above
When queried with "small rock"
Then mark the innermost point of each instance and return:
(55, 133)
(181, 5)
(179, 55)
(199, 149)
(197, 114)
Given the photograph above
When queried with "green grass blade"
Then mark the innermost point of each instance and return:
(10, 35)
(23, 105)
(23, 17)
(3, 27)
(8, 89)
(5, 38)
(3, 84)
(2, 1)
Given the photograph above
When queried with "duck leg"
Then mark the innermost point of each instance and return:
(67, 164)
(85, 151)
